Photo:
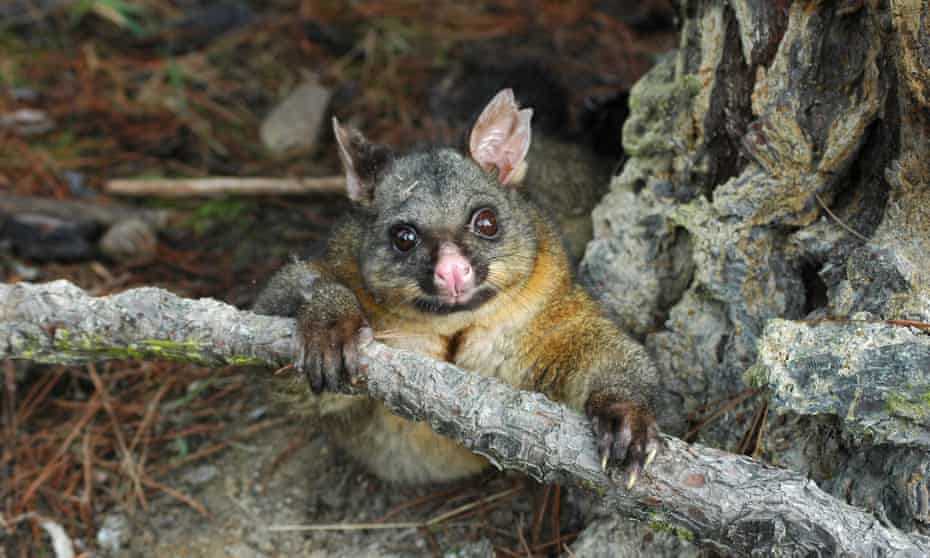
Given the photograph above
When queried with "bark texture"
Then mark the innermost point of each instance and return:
(778, 174)
(875, 377)
(731, 503)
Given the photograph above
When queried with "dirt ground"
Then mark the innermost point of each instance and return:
(290, 477)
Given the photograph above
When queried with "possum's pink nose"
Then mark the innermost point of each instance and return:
(453, 273)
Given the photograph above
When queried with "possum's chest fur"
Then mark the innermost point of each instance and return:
(490, 352)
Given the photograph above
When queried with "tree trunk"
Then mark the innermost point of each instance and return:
(779, 170)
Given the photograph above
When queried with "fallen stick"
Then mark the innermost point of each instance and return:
(190, 187)
(731, 503)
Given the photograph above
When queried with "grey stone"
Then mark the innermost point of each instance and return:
(478, 549)
(201, 474)
(296, 122)
(130, 240)
(114, 534)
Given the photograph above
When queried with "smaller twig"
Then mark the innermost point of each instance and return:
(923, 326)
(752, 438)
(536, 529)
(7, 524)
(431, 541)
(37, 395)
(416, 502)
(177, 495)
(130, 466)
(839, 221)
(402, 524)
(9, 419)
(728, 406)
(87, 469)
(494, 530)
(189, 187)
(557, 542)
(288, 452)
(462, 509)
(151, 410)
(214, 448)
(522, 538)
(92, 407)
(190, 431)
(347, 526)
(61, 542)
(283, 369)
(557, 511)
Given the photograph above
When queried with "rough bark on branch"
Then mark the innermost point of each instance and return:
(731, 503)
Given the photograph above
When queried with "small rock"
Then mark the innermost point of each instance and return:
(476, 549)
(115, 533)
(296, 122)
(77, 184)
(25, 272)
(201, 475)
(27, 122)
(130, 240)
(24, 94)
(45, 238)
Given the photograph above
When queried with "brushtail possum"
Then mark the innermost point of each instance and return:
(445, 253)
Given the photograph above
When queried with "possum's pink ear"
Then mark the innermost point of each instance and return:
(364, 162)
(501, 138)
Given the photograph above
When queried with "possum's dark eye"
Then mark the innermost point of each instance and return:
(484, 223)
(404, 237)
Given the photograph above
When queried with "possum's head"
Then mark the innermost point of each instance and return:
(445, 232)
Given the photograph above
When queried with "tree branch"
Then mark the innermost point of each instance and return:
(732, 503)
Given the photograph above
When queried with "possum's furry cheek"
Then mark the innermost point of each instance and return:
(498, 276)
(505, 275)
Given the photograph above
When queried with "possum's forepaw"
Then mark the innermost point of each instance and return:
(330, 329)
(626, 434)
